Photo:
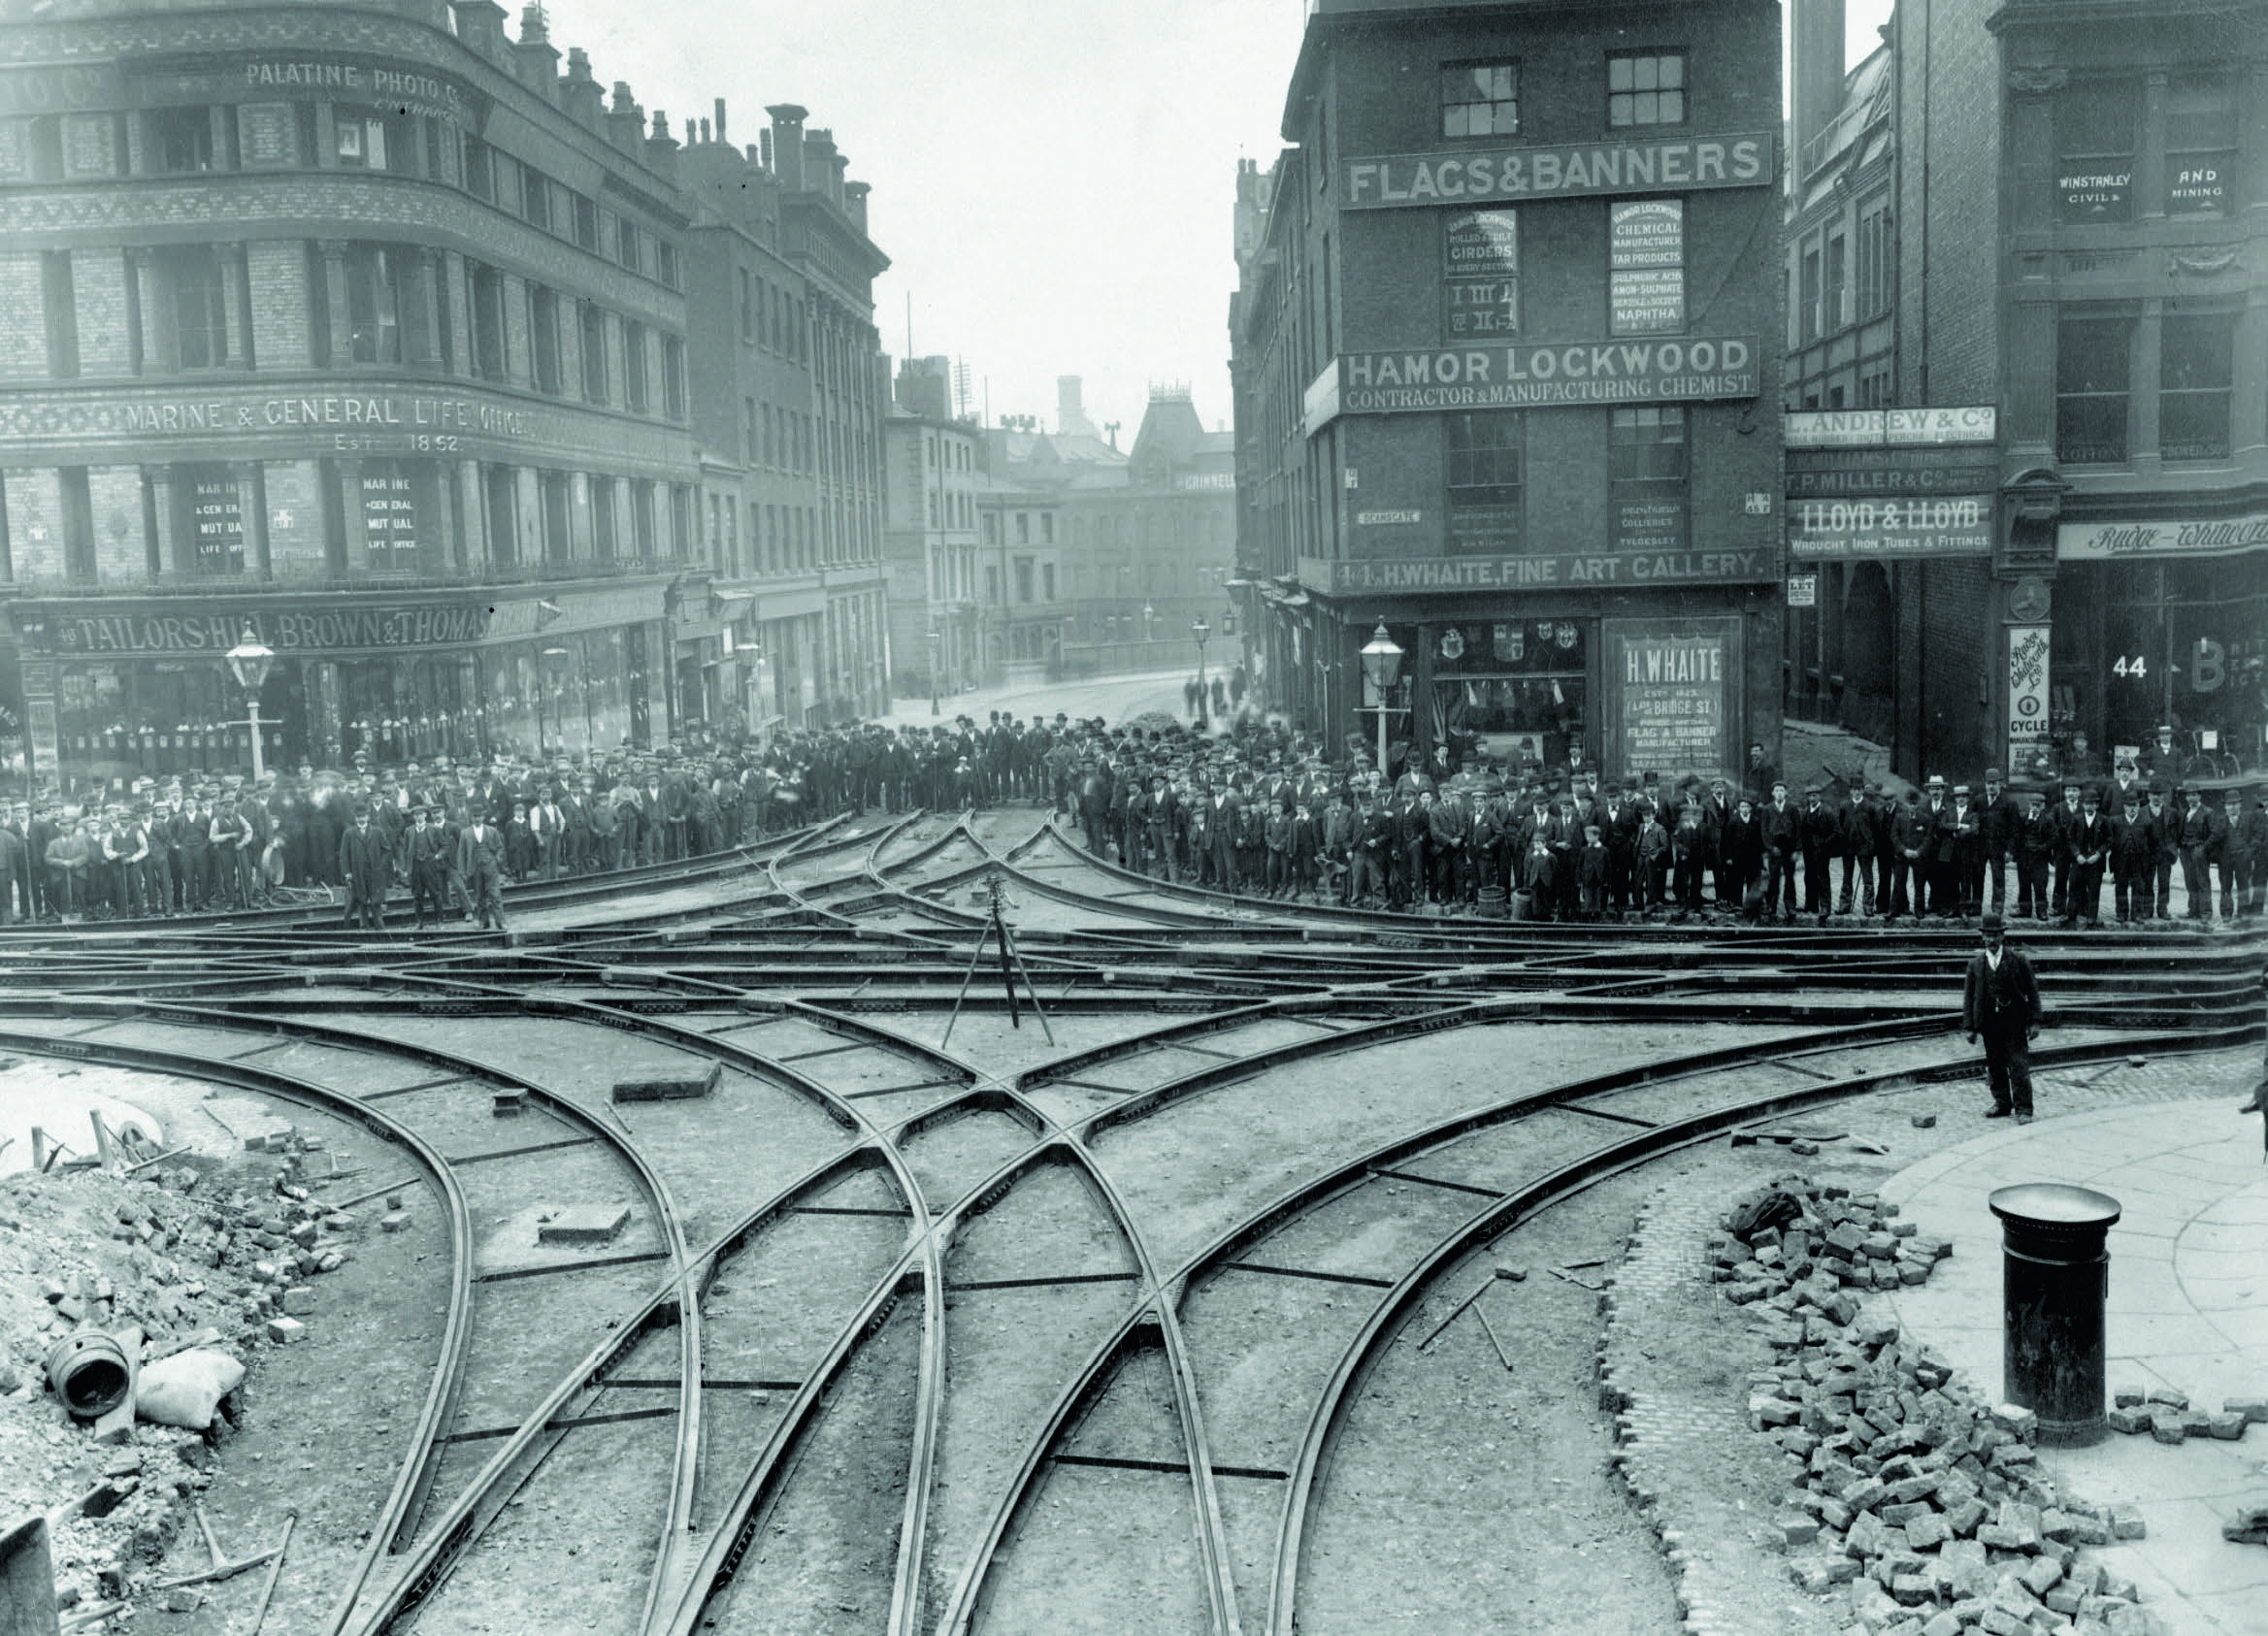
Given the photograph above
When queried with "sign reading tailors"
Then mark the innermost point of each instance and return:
(1558, 171)
(2027, 687)
(2200, 537)
(1944, 525)
(1560, 373)
(1670, 694)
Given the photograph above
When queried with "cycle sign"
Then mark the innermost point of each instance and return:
(2028, 686)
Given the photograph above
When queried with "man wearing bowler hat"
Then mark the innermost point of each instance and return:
(2000, 1001)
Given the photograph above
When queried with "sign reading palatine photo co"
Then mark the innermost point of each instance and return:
(1534, 375)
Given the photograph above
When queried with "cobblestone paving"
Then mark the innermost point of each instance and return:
(1683, 1446)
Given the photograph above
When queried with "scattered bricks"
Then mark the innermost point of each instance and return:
(393, 1202)
(339, 1221)
(2127, 1397)
(299, 1301)
(2004, 1537)
(1905, 1229)
(1865, 1494)
(1907, 1490)
(2126, 1522)
(1765, 1412)
(2063, 1599)
(284, 1331)
(1834, 1514)
(1798, 1530)
(1999, 1622)
(2057, 1526)
(303, 1235)
(2089, 1530)
(670, 1087)
(1813, 1575)
(1867, 1536)
(584, 1224)
(1843, 1242)
(2227, 1428)
(1803, 1149)
(2017, 1421)
(2129, 1420)
(2196, 1422)
(1898, 1515)
(330, 1261)
(393, 1221)
(2167, 1395)
(1910, 1590)
(2252, 1408)
(2041, 1576)
(1879, 1246)
(1842, 1306)
(2167, 1428)
(1946, 1623)
(183, 1599)
(1927, 1532)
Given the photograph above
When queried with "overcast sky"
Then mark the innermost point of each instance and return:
(1053, 180)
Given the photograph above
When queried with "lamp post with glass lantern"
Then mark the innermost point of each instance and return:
(1199, 629)
(1381, 663)
(249, 660)
(937, 644)
(555, 666)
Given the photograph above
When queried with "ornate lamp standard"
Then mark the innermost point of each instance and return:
(251, 660)
(1381, 663)
(936, 644)
(1199, 629)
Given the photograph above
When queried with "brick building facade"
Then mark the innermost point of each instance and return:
(1505, 314)
(369, 330)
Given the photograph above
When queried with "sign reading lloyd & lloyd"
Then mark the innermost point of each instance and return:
(2203, 537)
(1524, 375)
(1559, 171)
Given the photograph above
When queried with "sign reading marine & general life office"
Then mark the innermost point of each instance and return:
(1670, 164)
(1540, 374)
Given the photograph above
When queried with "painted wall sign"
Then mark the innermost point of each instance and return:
(1819, 473)
(1557, 373)
(1559, 171)
(1646, 267)
(287, 630)
(2204, 537)
(1480, 274)
(1876, 428)
(59, 87)
(2197, 188)
(1535, 571)
(2105, 195)
(1669, 694)
(1953, 525)
(216, 525)
(399, 86)
(2028, 686)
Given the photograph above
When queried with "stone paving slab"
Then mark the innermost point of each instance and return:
(2187, 1308)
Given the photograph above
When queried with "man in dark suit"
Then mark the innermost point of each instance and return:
(366, 862)
(2000, 1000)
(480, 865)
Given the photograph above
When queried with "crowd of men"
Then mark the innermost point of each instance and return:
(1255, 810)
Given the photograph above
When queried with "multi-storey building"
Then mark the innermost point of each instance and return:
(2133, 300)
(1025, 605)
(932, 470)
(365, 329)
(788, 625)
(1504, 318)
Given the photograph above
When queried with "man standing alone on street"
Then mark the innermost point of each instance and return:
(2001, 1001)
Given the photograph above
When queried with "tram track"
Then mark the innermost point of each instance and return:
(1245, 1108)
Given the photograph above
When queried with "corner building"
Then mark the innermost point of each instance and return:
(363, 327)
(1503, 319)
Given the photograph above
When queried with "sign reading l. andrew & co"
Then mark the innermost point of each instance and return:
(1524, 376)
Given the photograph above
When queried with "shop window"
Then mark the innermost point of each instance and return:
(61, 304)
(504, 516)
(1486, 455)
(177, 140)
(1480, 99)
(2201, 146)
(2097, 121)
(672, 377)
(390, 516)
(642, 517)
(373, 139)
(1646, 479)
(633, 389)
(1521, 682)
(479, 168)
(1646, 88)
(558, 538)
(1874, 261)
(374, 300)
(2094, 355)
(592, 321)
(488, 307)
(212, 514)
(2196, 358)
(198, 287)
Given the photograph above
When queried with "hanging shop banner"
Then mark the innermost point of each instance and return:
(1480, 274)
(1646, 267)
(2028, 686)
(1670, 694)
(1948, 525)
(1561, 171)
(2201, 536)
(216, 525)
(1561, 373)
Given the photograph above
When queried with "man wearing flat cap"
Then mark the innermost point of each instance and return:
(2000, 1002)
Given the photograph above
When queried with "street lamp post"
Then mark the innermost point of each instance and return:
(1149, 618)
(249, 660)
(554, 662)
(937, 644)
(1201, 631)
(1382, 664)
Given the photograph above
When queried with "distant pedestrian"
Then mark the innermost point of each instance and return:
(2001, 1001)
